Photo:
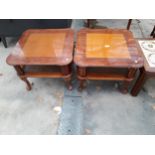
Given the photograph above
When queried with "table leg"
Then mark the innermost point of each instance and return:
(66, 70)
(20, 72)
(130, 75)
(139, 83)
(82, 73)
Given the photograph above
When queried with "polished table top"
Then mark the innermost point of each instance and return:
(43, 47)
(107, 47)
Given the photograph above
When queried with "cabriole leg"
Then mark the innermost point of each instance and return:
(20, 73)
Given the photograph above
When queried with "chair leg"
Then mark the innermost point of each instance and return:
(4, 41)
(129, 24)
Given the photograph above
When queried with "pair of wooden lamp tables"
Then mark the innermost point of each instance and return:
(100, 54)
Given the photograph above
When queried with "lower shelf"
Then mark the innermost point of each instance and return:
(43, 75)
(107, 77)
(43, 72)
(113, 74)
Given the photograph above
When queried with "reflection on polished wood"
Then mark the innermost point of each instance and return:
(44, 53)
(106, 46)
(43, 46)
(36, 45)
(111, 50)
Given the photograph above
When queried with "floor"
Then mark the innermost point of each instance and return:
(28, 112)
(51, 109)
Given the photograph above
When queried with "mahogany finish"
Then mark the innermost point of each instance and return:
(102, 52)
(43, 47)
(48, 48)
(106, 48)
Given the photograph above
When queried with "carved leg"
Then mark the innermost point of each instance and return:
(82, 73)
(20, 73)
(28, 85)
(66, 70)
(126, 83)
(139, 83)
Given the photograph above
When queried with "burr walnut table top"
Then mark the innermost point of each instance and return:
(107, 48)
(43, 47)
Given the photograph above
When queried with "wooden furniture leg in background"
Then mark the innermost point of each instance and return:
(90, 23)
(4, 41)
(129, 24)
(153, 32)
(139, 83)
(131, 75)
(66, 71)
(20, 73)
(82, 73)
